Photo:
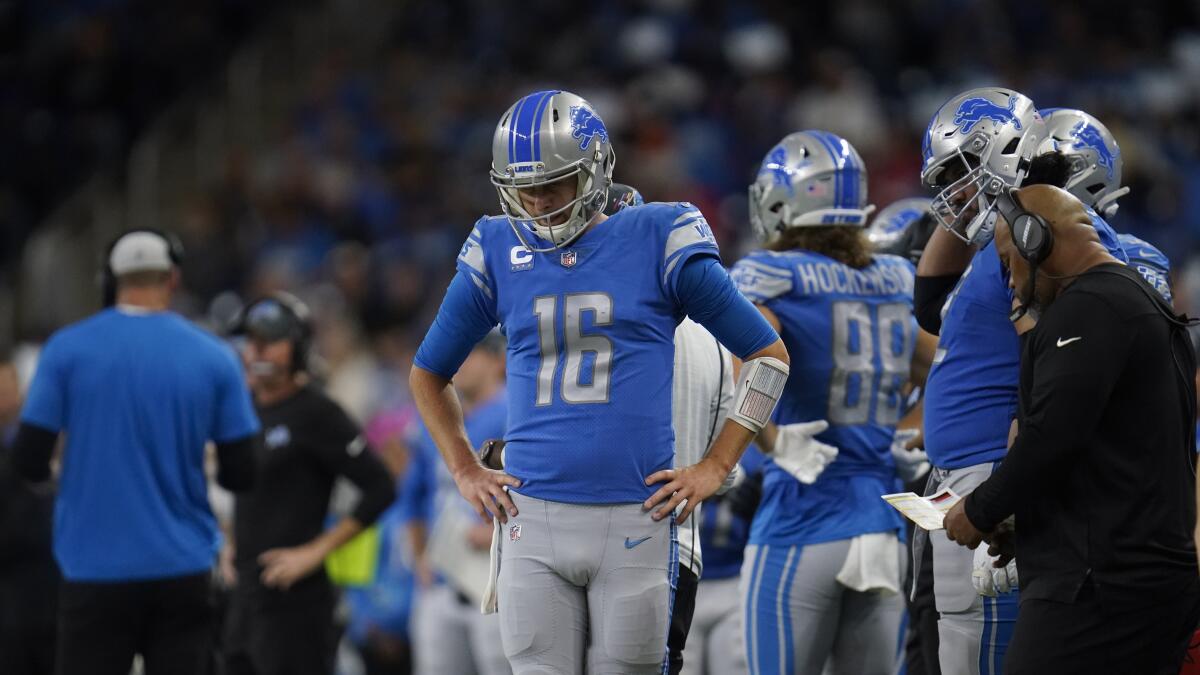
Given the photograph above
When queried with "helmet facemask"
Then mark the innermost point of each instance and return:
(972, 219)
(591, 193)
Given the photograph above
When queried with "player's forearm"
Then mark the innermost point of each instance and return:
(345, 530)
(443, 417)
(944, 254)
(730, 444)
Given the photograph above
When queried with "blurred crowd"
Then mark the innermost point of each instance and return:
(82, 78)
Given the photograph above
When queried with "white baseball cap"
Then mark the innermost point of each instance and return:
(140, 252)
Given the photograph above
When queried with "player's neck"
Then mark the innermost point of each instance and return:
(145, 298)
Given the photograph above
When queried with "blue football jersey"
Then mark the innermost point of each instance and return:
(971, 391)
(591, 332)
(850, 334)
(1149, 262)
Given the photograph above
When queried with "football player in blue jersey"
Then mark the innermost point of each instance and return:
(1093, 166)
(824, 564)
(589, 304)
(977, 144)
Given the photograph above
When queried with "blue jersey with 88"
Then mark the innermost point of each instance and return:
(850, 334)
(590, 333)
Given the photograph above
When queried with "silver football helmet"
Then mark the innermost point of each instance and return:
(810, 178)
(1093, 158)
(977, 143)
(545, 137)
(893, 220)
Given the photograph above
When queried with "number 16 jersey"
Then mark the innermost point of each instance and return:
(591, 331)
(850, 334)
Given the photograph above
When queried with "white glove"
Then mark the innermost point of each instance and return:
(910, 464)
(989, 580)
(798, 452)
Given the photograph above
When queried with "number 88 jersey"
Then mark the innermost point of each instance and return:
(850, 334)
(591, 331)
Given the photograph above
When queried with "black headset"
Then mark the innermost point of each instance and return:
(299, 331)
(1031, 234)
(108, 280)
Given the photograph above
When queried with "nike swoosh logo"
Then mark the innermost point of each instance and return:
(1147, 253)
(630, 543)
(1062, 343)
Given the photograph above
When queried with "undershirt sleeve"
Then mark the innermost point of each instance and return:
(711, 299)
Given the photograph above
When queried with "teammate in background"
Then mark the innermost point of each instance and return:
(449, 633)
(587, 559)
(381, 611)
(1093, 164)
(824, 567)
(281, 616)
(137, 390)
(978, 142)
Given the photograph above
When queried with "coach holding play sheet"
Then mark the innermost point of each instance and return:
(1101, 474)
(137, 390)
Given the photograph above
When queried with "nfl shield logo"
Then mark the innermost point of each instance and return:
(567, 259)
(514, 533)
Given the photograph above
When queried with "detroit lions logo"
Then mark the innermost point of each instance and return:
(585, 126)
(776, 165)
(1089, 137)
(974, 110)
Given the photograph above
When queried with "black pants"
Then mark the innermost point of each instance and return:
(168, 621)
(682, 609)
(1097, 634)
(27, 650)
(292, 636)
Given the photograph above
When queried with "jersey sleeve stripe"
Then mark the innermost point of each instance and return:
(482, 286)
(686, 217)
(473, 257)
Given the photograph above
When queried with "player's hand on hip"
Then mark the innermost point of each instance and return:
(693, 483)
(485, 489)
(959, 527)
(798, 451)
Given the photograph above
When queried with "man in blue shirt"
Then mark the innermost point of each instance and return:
(589, 305)
(138, 391)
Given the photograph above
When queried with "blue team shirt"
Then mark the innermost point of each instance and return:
(1150, 263)
(590, 333)
(850, 335)
(138, 395)
(971, 392)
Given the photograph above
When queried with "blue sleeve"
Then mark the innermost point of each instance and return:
(688, 237)
(46, 402)
(235, 416)
(464, 318)
(710, 297)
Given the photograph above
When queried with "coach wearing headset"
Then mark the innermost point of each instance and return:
(137, 390)
(1101, 474)
(281, 620)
